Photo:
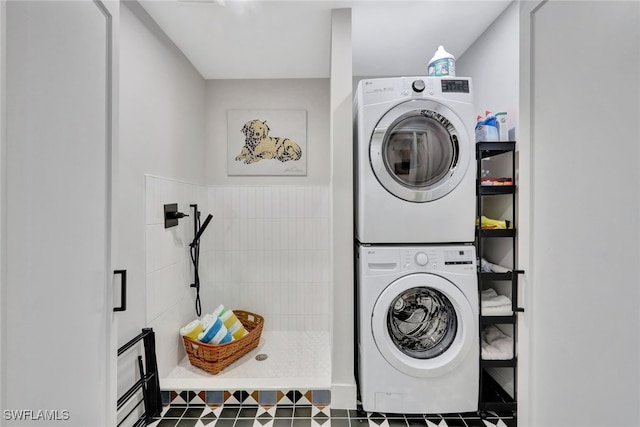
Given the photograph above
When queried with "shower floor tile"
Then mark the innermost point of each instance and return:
(295, 360)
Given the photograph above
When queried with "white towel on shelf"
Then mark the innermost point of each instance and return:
(503, 310)
(488, 293)
(494, 304)
(496, 345)
(487, 267)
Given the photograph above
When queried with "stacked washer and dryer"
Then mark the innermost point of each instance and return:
(417, 296)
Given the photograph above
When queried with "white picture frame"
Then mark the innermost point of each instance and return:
(267, 142)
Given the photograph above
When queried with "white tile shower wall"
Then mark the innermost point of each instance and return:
(269, 253)
(169, 272)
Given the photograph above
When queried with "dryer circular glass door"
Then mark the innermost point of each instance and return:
(420, 151)
(423, 325)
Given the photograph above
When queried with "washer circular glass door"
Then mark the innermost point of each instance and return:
(422, 325)
(420, 151)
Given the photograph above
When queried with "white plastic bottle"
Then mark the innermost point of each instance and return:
(503, 126)
(442, 64)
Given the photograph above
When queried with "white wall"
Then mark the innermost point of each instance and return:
(311, 95)
(268, 252)
(583, 131)
(170, 299)
(343, 389)
(270, 234)
(3, 168)
(492, 61)
(309, 192)
(162, 127)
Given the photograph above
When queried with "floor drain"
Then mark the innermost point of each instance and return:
(260, 357)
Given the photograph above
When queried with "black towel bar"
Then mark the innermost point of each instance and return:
(148, 382)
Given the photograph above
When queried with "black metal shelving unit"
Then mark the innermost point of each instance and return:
(492, 396)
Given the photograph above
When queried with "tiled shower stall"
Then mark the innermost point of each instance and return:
(267, 251)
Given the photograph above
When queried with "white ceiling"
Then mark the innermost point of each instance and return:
(256, 39)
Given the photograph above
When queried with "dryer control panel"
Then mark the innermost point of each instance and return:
(374, 91)
(455, 85)
(420, 87)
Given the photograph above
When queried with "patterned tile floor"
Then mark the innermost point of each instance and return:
(313, 416)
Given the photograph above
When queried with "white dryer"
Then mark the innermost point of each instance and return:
(415, 168)
(418, 333)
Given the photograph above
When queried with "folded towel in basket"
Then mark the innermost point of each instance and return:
(231, 321)
(207, 320)
(216, 333)
(192, 330)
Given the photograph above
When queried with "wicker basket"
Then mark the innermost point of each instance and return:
(213, 358)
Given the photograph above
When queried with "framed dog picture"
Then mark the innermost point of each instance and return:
(267, 142)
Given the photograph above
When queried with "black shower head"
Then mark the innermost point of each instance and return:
(199, 233)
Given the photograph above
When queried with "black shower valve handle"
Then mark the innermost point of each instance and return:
(171, 215)
(176, 215)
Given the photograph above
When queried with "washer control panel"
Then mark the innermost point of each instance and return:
(383, 260)
(421, 258)
(461, 258)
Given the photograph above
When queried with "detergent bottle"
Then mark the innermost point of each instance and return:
(442, 64)
(492, 126)
(487, 128)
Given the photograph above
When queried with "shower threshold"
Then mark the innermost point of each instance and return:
(282, 360)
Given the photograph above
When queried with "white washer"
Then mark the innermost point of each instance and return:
(415, 168)
(418, 336)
